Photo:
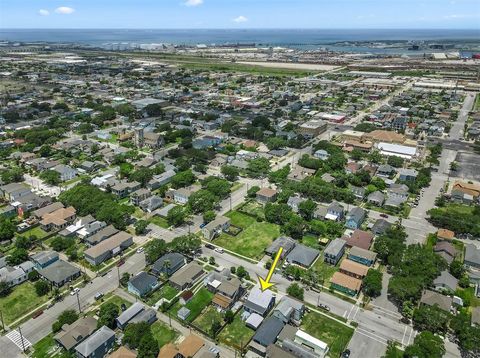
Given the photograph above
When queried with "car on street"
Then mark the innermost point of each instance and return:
(323, 307)
(38, 313)
(98, 296)
(140, 250)
(210, 246)
(74, 291)
(384, 216)
(202, 225)
(120, 263)
(346, 353)
(219, 250)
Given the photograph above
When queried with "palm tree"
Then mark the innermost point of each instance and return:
(166, 265)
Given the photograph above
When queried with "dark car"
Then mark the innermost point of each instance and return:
(346, 353)
(210, 246)
(323, 307)
(121, 262)
(384, 216)
(38, 313)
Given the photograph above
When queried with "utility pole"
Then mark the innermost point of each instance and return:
(118, 273)
(230, 202)
(21, 338)
(78, 301)
(1, 318)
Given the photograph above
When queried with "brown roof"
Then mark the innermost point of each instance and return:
(445, 247)
(123, 352)
(346, 281)
(168, 351)
(357, 144)
(221, 300)
(432, 298)
(186, 295)
(267, 192)
(59, 216)
(48, 209)
(353, 267)
(445, 234)
(385, 136)
(360, 238)
(190, 345)
(467, 188)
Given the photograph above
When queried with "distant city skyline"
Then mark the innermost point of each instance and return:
(239, 14)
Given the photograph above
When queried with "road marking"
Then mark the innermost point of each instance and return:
(410, 336)
(15, 337)
(345, 314)
(369, 335)
(348, 316)
(404, 333)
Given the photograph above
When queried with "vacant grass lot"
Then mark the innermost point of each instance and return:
(201, 300)
(37, 231)
(163, 334)
(236, 334)
(254, 238)
(47, 347)
(20, 301)
(166, 291)
(335, 334)
(159, 221)
(206, 319)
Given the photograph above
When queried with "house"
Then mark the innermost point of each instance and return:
(227, 293)
(376, 198)
(445, 235)
(365, 257)
(407, 174)
(312, 344)
(123, 352)
(385, 171)
(142, 283)
(334, 251)
(359, 192)
(265, 335)
(90, 229)
(137, 312)
(467, 188)
(360, 238)
(16, 275)
(168, 264)
(345, 283)
(58, 219)
(432, 298)
(189, 347)
(66, 172)
(73, 334)
(445, 282)
(397, 195)
(123, 188)
(185, 297)
(321, 154)
(60, 273)
(335, 212)
(215, 227)
(355, 218)
(139, 195)
(13, 191)
(287, 243)
(148, 139)
(150, 204)
(183, 313)
(312, 128)
(108, 248)
(446, 250)
(161, 179)
(97, 345)
(299, 173)
(302, 255)
(354, 269)
(472, 256)
(44, 258)
(253, 320)
(181, 196)
(101, 235)
(39, 213)
(259, 302)
(294, 202)
(380, 226)
(266, 195)
(289, 310)
(186, 276)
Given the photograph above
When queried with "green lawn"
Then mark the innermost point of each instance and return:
(196, 305)
(117, 300)
(166, 291)
(46, 348)
(159, 221)
(311, 240)
(325, 271)
(36, 231)
(20, 301)
(236, 334)
(206, 319)
(335, 334)
(253, 208)
(254, 238)
(163, 334)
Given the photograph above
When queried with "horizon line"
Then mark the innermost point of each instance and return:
(239, 29)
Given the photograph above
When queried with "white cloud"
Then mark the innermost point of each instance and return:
(240, 19)
(43, 12)
(64, 10)
(193, 2)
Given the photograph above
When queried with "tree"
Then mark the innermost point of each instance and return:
(426, 345)
(229, 172)
(176, 216)
(134, 333)
(275, 143)
(216, 326)
(51, 177)
(41, 288)
(143, 176)
(393, 351)
(357, 154)
(431, 318)
(66, 317)
(140, 227)
(33, 275)
(220, 188)
(252, 192)
(186, 244)
(12, 175)
(148, 347)
(17, 257)
(7, 229)
(208, 216)
(229, 316)
(183, 179)
(125, 278)
(372, 284)
(407, 309)
(457, 269)
(23, 242)
(5, 289)
(154, 249)
(294, 227)
(201, 201)
(108, 313)
(258, 168)
(154, 109)
(280, 175)
(307, 208)
(395, 161)
(296, 291)
(242, 273)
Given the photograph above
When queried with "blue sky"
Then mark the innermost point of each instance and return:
(448, 14)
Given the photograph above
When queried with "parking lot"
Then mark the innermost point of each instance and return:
(468, 166)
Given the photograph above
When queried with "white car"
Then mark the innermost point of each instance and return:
(140, 250)
(74, 291)
(219, 250)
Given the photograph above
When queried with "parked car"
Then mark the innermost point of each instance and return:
(98, 295)
(121, 262)
(140, 250)
(202, 225)
(210, 246)
(346, 353)
(219, 250)
(38, 313)
(384, 216)
(323, 307)
(74, 291)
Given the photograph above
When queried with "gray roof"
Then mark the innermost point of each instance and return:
(96, 340)
(367, 254)
(356, 214)
(175, 259)
(302, 255)
(335, 246)
(129, 313)
(59, 271)
(267, 333)
(283, 241)
(335, 207)
(143, 281)
(472, 254)
(187, 274)
(103, 234)
(259, 300)
(432, 298)
(380, 226)
(446, 279)
(408, 172)
(287, 305)
(43, 257)
(144, 316)
(376, 196)
(71, 334)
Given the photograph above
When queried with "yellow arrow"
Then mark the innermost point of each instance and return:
(265, 283)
